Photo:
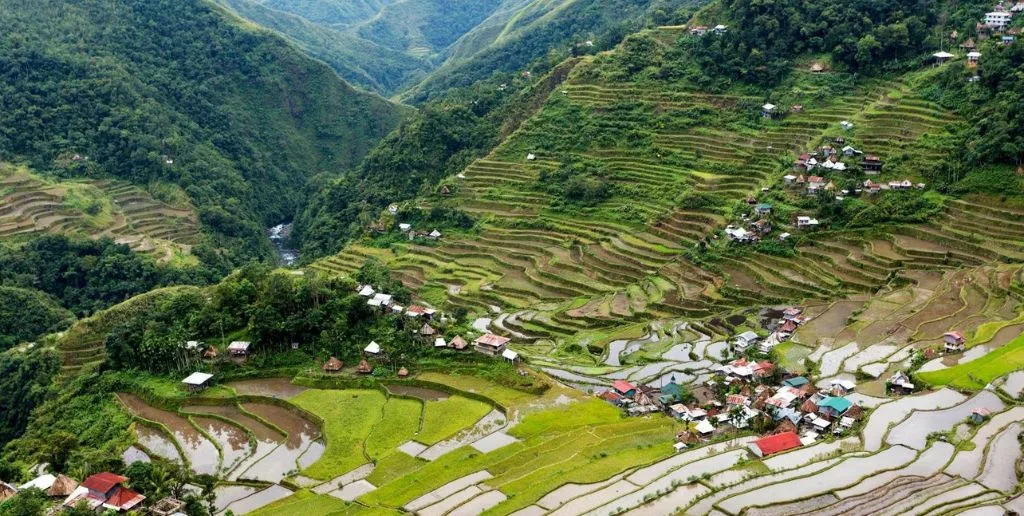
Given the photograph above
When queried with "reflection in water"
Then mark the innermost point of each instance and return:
(201, 453)
(234, 443)
(157, 443)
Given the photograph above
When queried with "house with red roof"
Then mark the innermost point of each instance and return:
(624, 388)
(775, 444)
(491, 344)
(104, 491)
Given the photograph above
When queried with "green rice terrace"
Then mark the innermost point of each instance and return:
(126, 213)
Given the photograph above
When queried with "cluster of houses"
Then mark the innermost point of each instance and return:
(406, 228)
(101, 493)
(743, 394)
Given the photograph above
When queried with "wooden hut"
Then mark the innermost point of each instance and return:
(364, 367)
(403, 372)
(333, 365)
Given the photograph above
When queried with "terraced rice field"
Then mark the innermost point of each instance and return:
(108, 208)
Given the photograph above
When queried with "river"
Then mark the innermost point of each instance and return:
(279, 237)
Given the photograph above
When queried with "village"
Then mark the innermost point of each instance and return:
(750, 394)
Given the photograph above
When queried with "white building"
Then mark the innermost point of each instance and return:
(998, 19)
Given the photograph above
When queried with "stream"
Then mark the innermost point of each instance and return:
(279, 237)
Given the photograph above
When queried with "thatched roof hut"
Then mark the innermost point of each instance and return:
(210, 353)
(364, 367)
(427, 330)
(403, 372)
(333, 365)
(62, 487)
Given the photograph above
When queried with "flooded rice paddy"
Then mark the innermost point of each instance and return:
(270, 387)
(422, 393)
(200, 452)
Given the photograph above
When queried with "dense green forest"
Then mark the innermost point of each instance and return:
(86, 275)
(26, 314)
(178, 91)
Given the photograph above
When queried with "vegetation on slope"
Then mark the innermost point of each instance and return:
(361, 62)
(88, 275)
(544, 34)
(26, 314)
(177, 91)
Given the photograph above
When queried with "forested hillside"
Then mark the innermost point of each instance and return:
(470, 108)
(179, 92)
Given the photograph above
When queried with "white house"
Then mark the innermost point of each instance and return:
(972, 57)
(998, 19)
(738, 234)
(745, 339)
(806, 222)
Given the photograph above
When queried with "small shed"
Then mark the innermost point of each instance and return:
(210, 353)
(239, 348)
(440, 343)
(197, 381)
(427, 330)
(403, 372)
(364, 367)
(333, 365)
(510, 355)
(372, 348)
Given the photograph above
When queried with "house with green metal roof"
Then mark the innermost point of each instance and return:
(834, 406)
(796, 382)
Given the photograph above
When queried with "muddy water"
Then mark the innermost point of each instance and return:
(227, 494)
(266, 462)
(1005, 335)
(300, 431)
(422, 393)
(299, 449)
(157, 443)
(272, 387)
(201, 453)
(233, 441)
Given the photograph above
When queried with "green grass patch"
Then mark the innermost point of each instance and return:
(575, 415)
(443, 419)
(507, 397)
(979, 372)
(303, 502)
(394, 466)
(792, 355)
(349, 416)
(400, 423)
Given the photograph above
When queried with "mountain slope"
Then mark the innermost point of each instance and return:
(180, 92)
(360, 61)
(609, 206)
